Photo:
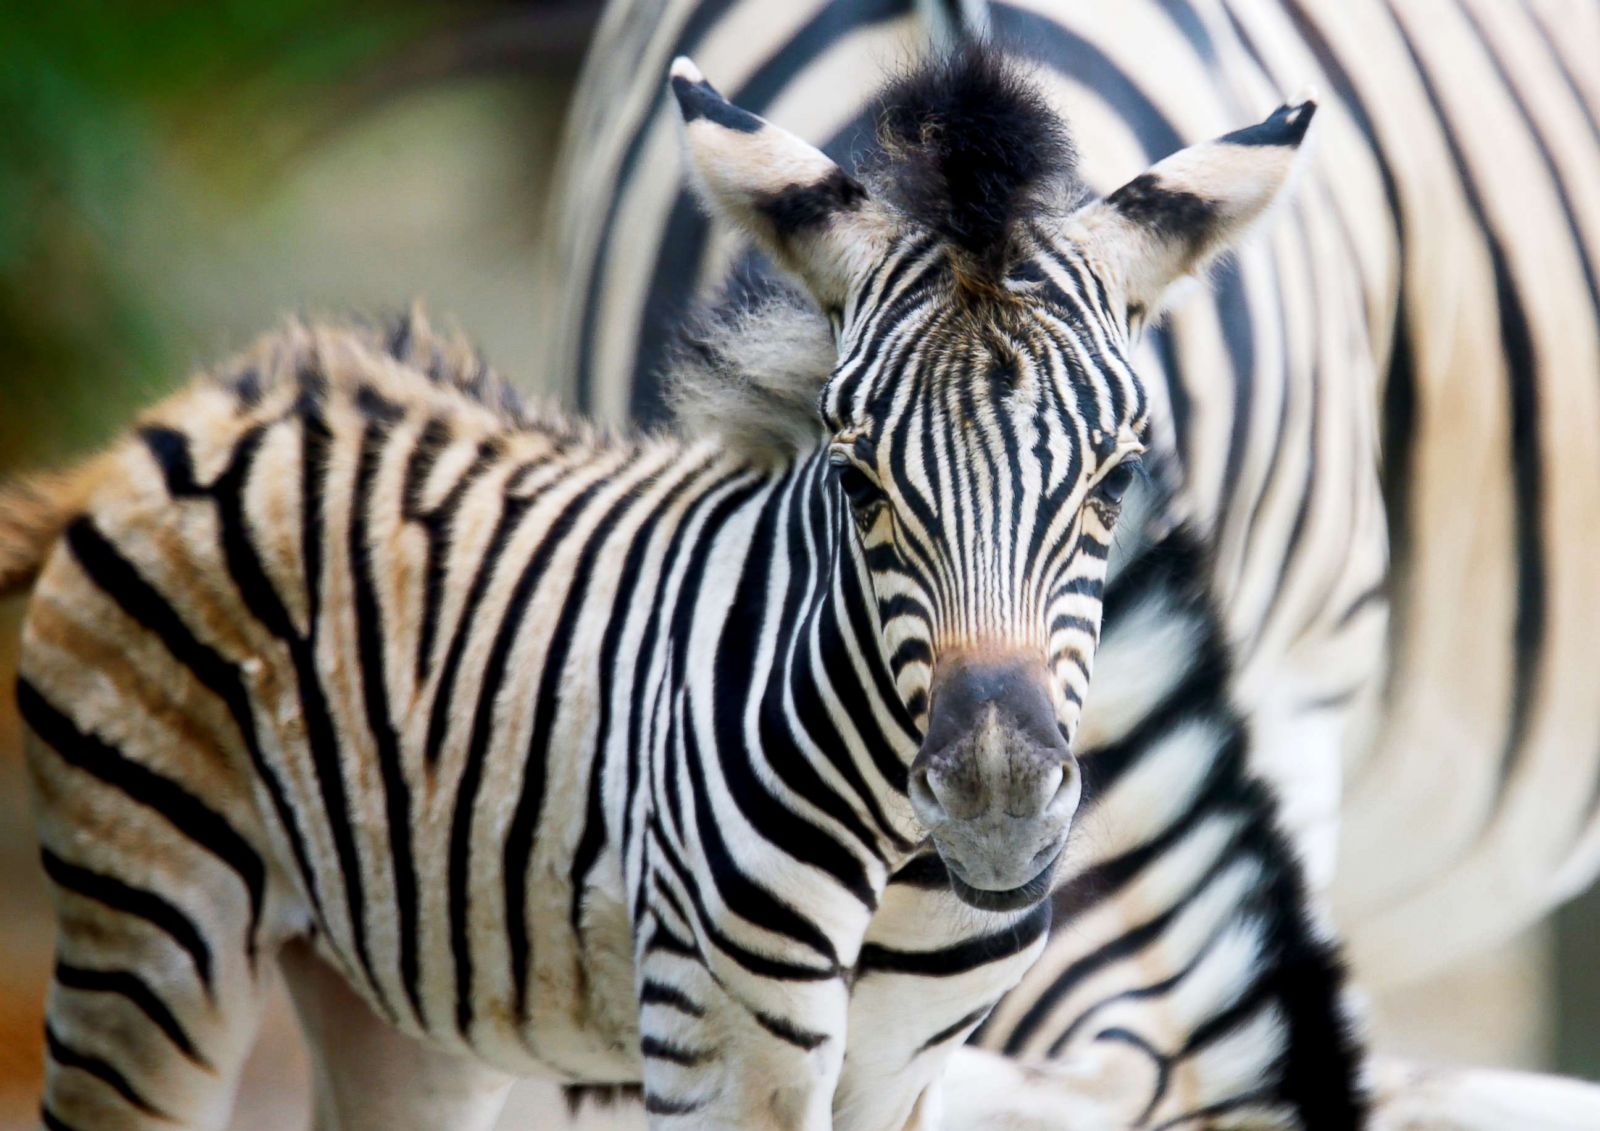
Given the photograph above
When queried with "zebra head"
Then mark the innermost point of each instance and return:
(981, 417)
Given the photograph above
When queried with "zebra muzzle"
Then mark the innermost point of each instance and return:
(995, 784)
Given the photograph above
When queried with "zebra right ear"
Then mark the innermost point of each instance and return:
(788, 196)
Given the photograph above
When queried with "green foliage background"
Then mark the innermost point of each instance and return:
(175, 175)
(92, 96)
(123, 124)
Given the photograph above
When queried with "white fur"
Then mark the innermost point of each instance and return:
(751, 377)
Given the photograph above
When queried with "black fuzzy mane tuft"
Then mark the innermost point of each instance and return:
(972, 148)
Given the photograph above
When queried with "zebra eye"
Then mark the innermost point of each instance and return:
(1115, 483)
(858, 487)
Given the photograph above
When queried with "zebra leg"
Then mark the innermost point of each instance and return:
(988, 1091)
(921, 989)
(369, 1075)
(992, 1092)
(163, 951)
(1413, 1097)
(724, 1051)
(138, 1033)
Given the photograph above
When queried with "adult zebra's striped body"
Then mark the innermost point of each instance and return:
(1459, 171)
(595, 757)
(1430, 292)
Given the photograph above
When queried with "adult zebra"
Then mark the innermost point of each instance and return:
(1430, 292)
(540, 752)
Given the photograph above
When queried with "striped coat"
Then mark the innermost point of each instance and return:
(736, 763)
(1438, 273)
(1428, 296)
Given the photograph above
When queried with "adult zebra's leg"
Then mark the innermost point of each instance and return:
(991, 1092)
(368, 1075)
(1408, 1096)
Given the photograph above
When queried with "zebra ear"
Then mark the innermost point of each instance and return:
(1185, 210)
(787, 195)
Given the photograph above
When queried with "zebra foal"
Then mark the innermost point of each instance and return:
(531, 751)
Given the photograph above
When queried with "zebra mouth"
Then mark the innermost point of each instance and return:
(1013, 899)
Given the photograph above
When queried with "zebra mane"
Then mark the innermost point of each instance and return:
(967, 147)
(971, 150)
(318, 356)
(748, 368)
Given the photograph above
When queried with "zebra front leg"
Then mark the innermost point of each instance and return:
(755, 1046)
(988, 1091)
(930, 971)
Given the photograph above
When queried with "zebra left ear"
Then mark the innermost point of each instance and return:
(1175, 218)
(789, 196)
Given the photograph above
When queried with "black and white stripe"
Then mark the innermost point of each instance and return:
(512, 725)
(1429, 293)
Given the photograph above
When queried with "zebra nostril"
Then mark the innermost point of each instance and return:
(1045, 794)
(925, 801)
(1063, 802)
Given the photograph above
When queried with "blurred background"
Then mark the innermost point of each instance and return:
(176, 176)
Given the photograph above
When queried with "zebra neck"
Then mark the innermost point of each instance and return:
(801, 662)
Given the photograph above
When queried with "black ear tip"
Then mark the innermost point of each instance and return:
(1286, 125)
(690, 88)
(1297, 119)
(697, 99)
(688, 95)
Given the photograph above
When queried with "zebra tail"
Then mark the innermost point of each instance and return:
(33, 513)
